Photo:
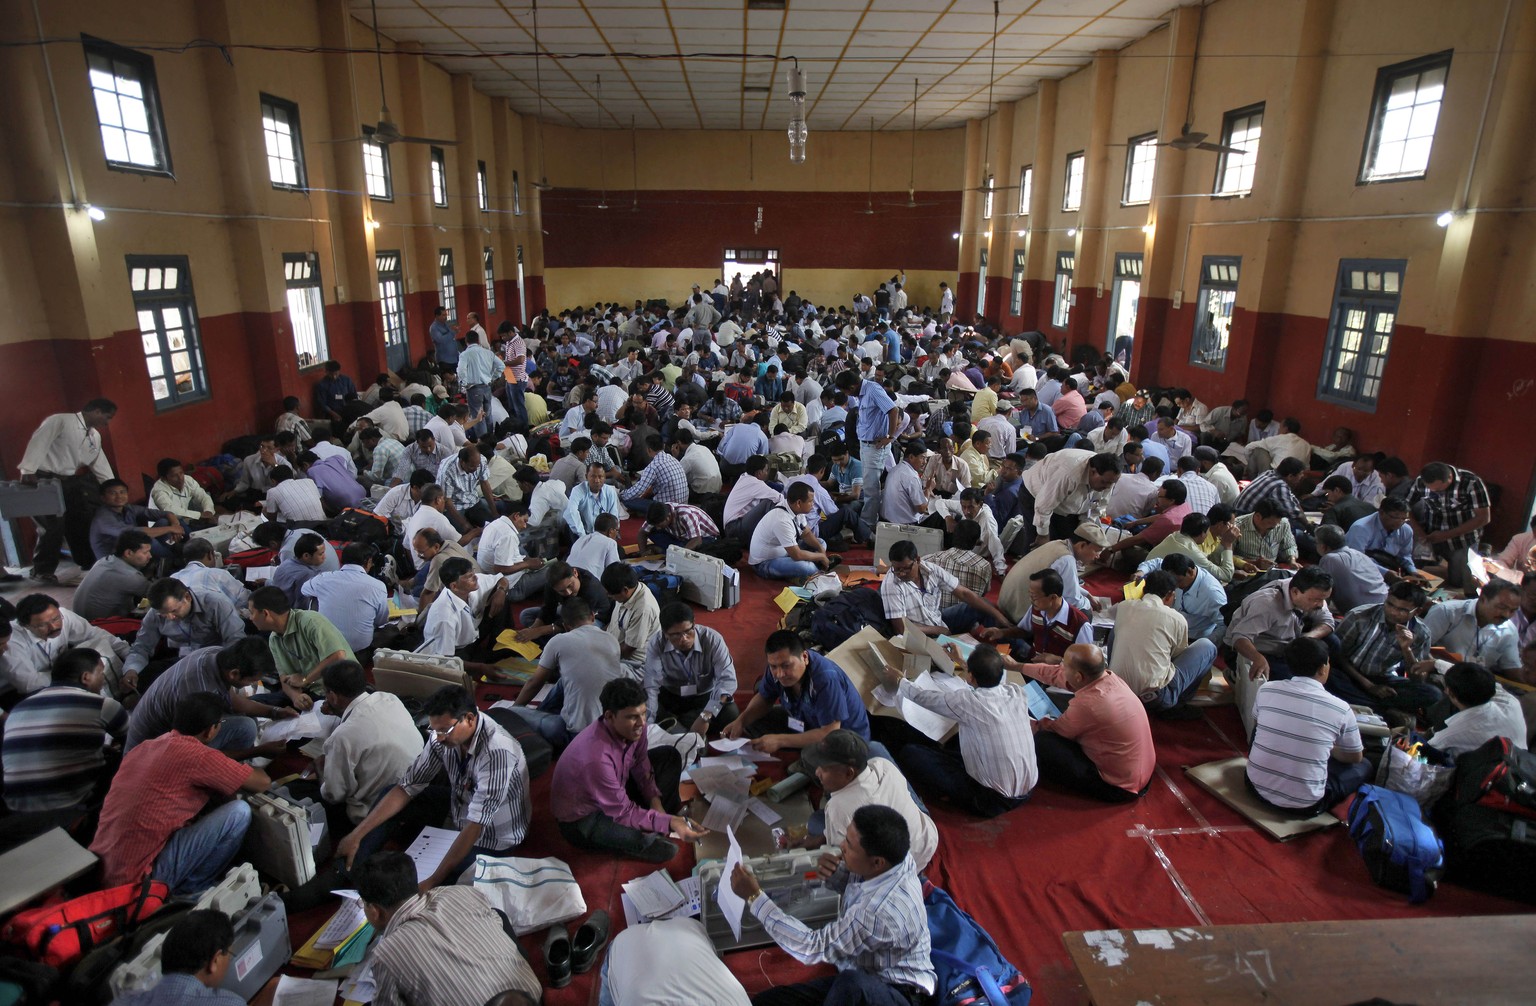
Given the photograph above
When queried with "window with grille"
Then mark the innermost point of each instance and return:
(376, 167)
(1016, 298)
(127, 107)
(482, 188)
(1072, 193)
(1240, 129)
(1360, 331)
(1026, 186)
(986, 199)
(1061, 308)
(1404, 112)
(1140, 166)
(391, 297)
(1213, 311)
(445, 285)
(490, 281)
(173, 352)
(306, 307)
(285, 148)
(439, 178)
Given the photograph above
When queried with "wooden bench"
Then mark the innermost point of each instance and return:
(1428, 960)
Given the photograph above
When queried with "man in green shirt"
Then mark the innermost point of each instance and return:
(303, 643)
(1187, 540)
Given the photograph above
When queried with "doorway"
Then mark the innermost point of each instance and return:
(1124, 296)
(522, 293)
(747, 262)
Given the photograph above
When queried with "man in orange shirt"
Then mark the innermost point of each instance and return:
(1101, 746)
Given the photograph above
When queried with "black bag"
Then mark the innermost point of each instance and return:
(844, 615)
(1488, 850)
(712, 504)
(536, 749)
(35, 982)
(727, 550)
(354, 525)
(1497, 775)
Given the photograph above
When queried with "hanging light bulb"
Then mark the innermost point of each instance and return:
(795, 78)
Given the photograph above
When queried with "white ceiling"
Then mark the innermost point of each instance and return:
(861, 56)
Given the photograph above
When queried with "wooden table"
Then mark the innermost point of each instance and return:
(1444, 960)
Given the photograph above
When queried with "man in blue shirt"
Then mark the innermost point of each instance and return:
(331, 390)
(892, 340)
(1200, 595)
(354, 601)
(193, 961)
(879, 418)
(1004, 498)
(803, 697)
(445, 342)
(1386, 537)
(1033, 417)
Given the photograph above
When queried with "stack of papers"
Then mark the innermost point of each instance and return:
(724, 812)
(655, 896)
(689, 886)
(359, 987)
(927, 722)
(341, 941)
(293, 991)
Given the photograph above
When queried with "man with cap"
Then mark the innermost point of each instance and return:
(1086, 543)
(852, 777)
(1139, 410)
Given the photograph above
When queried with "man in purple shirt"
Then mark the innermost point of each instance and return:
(339, 488)
(612, 792)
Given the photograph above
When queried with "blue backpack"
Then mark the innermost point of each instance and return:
(1402, 852)
(971, 969)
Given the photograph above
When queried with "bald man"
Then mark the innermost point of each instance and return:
(1101, 746)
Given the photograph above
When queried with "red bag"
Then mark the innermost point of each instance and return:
(253, 558)
(61, 933)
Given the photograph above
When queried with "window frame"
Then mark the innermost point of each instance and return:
(483, 187)
(154, 111)
(447, 285)
(1082, 181)
(387, 174)
(1061, 295)
(1026, 188)
(1228, 123)
(1347, 298)
(1385, 77)
(1207, 285)
(154, 301)
(295, 136)
(1132, 145)
(396, 276)
(1016, 282)
(488, 259)
(311, 281)
(437, 175)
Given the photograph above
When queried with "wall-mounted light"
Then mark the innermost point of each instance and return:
(1022, 233)
(441, 229)
(95, 212)
(956, 235)
(1148, 228)
(989, 234)
(1444, 219)
(373, 225)
(1071, 232)
(798, 131)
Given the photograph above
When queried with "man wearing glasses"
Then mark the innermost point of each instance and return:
(485, 798)
(689, 674)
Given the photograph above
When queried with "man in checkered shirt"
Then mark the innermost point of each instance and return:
(1455, 508)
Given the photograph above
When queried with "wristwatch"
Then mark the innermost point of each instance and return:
(706, 717)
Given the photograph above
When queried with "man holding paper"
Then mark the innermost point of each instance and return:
(996, 770)
(612, 791)
(853, 777)
(803, 697)
(879, 942)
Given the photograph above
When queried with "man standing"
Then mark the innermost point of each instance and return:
(1456, 507)
(879, 419)
(485, 798)
(1056, 491)
(445, 342)
(612, 791)
(879, 942)
(67, 447)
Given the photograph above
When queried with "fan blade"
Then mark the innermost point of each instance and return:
(349, 139)
(424, 139)
(1220, 149)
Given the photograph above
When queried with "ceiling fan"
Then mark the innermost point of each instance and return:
(542, 184)
(869, 194)
(1192, 139)
(912, 202)
(384, 132)
(602, 160)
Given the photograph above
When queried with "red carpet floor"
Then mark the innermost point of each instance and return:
(1178, 857)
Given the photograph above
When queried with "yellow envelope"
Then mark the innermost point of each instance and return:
(508, 641)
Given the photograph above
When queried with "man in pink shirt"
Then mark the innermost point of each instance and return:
(1169, 509)
(1069, 406)
(612, 792)
(1101, 746)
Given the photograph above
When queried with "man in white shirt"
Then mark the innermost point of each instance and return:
(67, 447)
(1135, 492)
(904, 501)
(292, 497)
(1217, 474)
(780, 547)
(851, 779)
(596, 550)
(370, 748)
(453, 620)
(1484, 710)
(431, 515)
(749, 499)
(693, 973)
(1005, 436)
(636, 618)
(698, 463)
(501, 551)
(1306, 754)
(996, 770)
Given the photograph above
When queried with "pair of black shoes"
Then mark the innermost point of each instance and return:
(565, 955)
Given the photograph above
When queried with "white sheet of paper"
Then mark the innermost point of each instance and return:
(724, 813)
(359, 987)
(655, 894)
(316, 832)
(763, 812)
(429, 849)
(730, 904)
(348, 919)
(721, 744)
(293, 991)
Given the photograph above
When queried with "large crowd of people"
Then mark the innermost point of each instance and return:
(1113, 542)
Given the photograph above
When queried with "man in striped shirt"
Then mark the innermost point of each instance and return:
(879, 942)
(1307, 754)
(444, 947)
(996, 769)
(52, 752)
(485, 797)
(662, 480)
(1278, 486)
(683, 524)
